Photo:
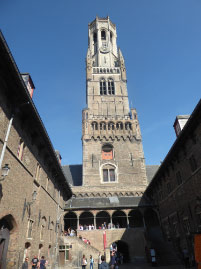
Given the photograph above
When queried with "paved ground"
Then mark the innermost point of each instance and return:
(146, 266)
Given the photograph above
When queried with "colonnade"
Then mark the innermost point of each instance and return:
(110, 218)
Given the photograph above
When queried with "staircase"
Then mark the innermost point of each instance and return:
(77, 249)
(165, 253)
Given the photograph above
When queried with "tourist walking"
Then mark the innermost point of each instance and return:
(112, 260)
(43, 263)
(91, 262)
(99, 260)
(25, 264)
(103, 265)
(35, 261)
(84, 262)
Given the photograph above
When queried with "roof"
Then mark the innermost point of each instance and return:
(104, 202)
(74, 174)
(151, 171)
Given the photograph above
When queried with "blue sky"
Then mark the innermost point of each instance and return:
(161, 43)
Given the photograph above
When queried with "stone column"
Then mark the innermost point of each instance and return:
(127, 220)
(94, 222)
(78, 224)
(111, 221)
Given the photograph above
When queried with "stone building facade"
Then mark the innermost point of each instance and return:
(33, 193)
(176, 188)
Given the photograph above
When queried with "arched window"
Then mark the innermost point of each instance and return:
(103, 90)
(94, 125)
(111, 86)
(51, 229)
(128, 126)
(111, 126)
(119, 126)
(102, 126)
(109, 174)
(107, 152)
(111, 35)
(103, 35)
(43, 224)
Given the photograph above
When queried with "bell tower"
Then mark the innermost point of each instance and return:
(113, 157)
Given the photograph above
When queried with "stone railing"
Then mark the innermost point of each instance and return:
(101, 70)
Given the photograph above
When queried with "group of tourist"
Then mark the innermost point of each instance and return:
(86, 241)
(103, 226)
(86, 227)
(35, 263)
(70, 232)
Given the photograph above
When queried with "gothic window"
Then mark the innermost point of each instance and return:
(103, 35)
(107, 152)
(109, 173)
(94, 125)
(20, 149)
(111, 126)
(128, 126)
(111, 86)
(95, 37)
(42, 231)
(179, 178)
(38, 171)
(103, 90)
(30, 228)
(111, 37)
(51, 230)
(102, 126)
(193, 163)
(119, 126)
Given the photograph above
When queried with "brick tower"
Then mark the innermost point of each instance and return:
(113, 158)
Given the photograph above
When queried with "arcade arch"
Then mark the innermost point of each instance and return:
(135, 219)
(102, 218)
(119, 219)
(86, 218)
(151, 218)
(70, 221)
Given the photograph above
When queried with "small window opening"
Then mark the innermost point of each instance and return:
(95, 37)
(103, 35)
(111, 35)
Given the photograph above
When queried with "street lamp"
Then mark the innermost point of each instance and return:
(34, 194)
(4, 171)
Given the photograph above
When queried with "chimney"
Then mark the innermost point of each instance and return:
(179, 123)
(58, 156)
(28, 82)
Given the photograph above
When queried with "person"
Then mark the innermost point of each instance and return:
(91, 262)
(186, 257)
(25, 264)
(99, 260)
(103, 265)
(35, 262)
(153, 256)
(112, 260)
(84, 262)
(43, 263)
